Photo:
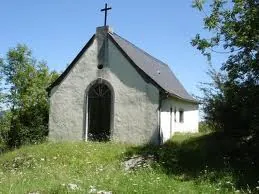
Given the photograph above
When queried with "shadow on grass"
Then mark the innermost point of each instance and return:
(211, 157)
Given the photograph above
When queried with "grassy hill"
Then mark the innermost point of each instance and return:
(188, 164)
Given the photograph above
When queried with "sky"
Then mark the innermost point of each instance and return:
(57, 30)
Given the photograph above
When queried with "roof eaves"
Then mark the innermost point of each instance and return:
(185, 99)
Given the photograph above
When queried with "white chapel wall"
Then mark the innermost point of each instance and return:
(135, 105)
(170, 122)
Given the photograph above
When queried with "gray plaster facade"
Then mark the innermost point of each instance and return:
(135, 100)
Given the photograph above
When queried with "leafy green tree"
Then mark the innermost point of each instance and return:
(1, 89)
(232, 104)
(25, 96)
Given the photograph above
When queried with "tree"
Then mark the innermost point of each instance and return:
(1, 90)
(232, 104)
(25, 95)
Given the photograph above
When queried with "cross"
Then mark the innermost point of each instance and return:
(105, 10)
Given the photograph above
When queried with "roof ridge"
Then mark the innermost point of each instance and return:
(147, 54)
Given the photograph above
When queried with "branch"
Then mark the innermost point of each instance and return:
(224, 52)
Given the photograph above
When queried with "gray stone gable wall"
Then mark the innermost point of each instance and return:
(135, 112)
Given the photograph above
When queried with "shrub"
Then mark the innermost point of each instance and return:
(4, 129)
(204, 127)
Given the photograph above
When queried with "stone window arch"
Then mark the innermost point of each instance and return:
(99, 111)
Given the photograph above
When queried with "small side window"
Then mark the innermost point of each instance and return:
(175, 115)
(181, 116)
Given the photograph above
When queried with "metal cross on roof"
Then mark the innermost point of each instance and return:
(105, 10)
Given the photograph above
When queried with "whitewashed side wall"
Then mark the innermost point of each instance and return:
(170, 122)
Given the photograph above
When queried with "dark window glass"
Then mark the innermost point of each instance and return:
(175, 115)
(181, 116)
(99, 112)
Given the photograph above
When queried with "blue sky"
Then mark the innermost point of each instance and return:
(57, 30)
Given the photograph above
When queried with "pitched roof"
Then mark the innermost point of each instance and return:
(154, 68)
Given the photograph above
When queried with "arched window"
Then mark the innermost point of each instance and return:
(99, 112)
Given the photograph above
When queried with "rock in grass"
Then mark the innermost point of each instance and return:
(95, 191)
(104, 192)
(92, 189)
(137, 161)
(73, 187)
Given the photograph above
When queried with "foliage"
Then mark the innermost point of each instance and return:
(4, 129)
(187, 164)
(231, 101)
(205, 128)
(25, 95)
(1, 90)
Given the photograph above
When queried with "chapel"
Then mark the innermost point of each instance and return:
(115, 91)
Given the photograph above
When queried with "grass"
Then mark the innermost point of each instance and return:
(187, 164)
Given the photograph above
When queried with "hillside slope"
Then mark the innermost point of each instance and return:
(93, 167)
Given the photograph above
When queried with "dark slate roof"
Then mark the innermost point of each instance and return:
(154, 68)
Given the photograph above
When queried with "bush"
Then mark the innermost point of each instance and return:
(4, 129)
(234, 110)
(23, 135)
(28, 126)
(205, 128)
